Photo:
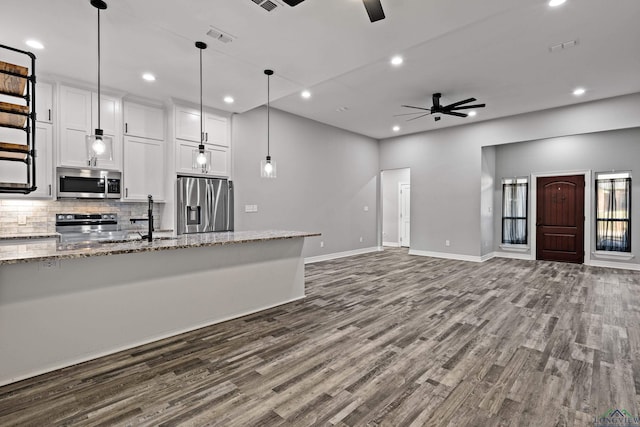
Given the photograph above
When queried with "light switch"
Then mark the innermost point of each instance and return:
(366, 208)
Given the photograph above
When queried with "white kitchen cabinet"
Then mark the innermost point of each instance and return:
(188, 126)
(215, 130)
(143, 121)
(144, 169)
(16, 171)
(44, 102)
(219, 160)
(79, 118)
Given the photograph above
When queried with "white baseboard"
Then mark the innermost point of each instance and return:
(613, 264)
(391, 244)
(512, 255)
(445, 255)
(96, 355)
(487, 257)
(327, 257)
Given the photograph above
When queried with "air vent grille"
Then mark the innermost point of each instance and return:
(268, 5)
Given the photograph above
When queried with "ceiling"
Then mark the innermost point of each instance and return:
(497, 51)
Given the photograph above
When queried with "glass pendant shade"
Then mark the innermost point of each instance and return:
(201, 159)
(99, 147)
(268, 168)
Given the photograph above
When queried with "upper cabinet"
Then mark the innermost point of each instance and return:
(188, 127)
(44, 102)
(143, 121)
(79, 118)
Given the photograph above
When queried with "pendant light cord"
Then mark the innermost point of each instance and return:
(268, 116)
(201, 127)
(99, 70)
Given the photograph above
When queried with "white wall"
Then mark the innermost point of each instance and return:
(487, 200)
(391, 180)
(325, 178)
(446, 167)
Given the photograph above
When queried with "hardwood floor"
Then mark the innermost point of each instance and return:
(381, 339)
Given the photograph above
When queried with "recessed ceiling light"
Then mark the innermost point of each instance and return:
(555, 3)
(472, 113)
(396, 128)
(397, 60)
(34, 44)
(306, 94)
(579, 91)
(229, 99)
(149, 77)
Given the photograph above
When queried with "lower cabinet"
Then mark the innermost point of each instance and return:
(17, 171)
(185, 159)
(144, 169)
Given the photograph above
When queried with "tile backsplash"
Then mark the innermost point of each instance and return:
(39, 215)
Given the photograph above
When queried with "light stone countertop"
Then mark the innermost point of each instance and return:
(36, 251)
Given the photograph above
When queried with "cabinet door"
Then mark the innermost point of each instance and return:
(216, 130)
(109, 114)
(187, 124)
(184, 157)
(143, 121)
(219, 161)
(17, 171)
(75, 125)
(44, 102)
(144, 169)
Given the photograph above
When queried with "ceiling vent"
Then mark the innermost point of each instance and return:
(220, 36)
(268, 5)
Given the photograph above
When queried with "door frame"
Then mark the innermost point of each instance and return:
(533, 186)
(400, 184)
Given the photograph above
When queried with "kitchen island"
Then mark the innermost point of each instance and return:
(64, 304)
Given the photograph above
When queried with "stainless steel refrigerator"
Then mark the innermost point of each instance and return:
(204, 205)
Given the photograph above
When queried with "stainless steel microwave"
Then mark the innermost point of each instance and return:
(88, 184)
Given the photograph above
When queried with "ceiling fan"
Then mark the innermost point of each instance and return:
(437, 108)
(374, 8)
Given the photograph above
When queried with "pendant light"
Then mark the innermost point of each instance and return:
(98, 145)
(268, 166)
(201, 158)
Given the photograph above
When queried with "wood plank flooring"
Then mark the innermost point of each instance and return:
(382, 339)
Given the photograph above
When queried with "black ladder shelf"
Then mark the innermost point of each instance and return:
(15, 81)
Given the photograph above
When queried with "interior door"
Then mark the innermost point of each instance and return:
(405, 215)
(560, 219)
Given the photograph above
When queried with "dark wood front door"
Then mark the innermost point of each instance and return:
(560, 219)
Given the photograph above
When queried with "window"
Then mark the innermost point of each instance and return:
(613, 212)
(514, 211)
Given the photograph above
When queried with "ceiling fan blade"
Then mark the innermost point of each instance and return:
(453, 113)
(417, 108)
(455, 104)
(374, 9)
(467, 107)
(436, 100)
(419, 117)
(293, 2)
(410, 114)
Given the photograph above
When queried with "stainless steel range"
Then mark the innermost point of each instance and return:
(81, 228)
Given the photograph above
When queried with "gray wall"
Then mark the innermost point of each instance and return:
(391, 180)
(325, 178)
(447, 167)
(597, 152)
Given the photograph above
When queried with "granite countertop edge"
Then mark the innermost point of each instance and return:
(56, 251)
